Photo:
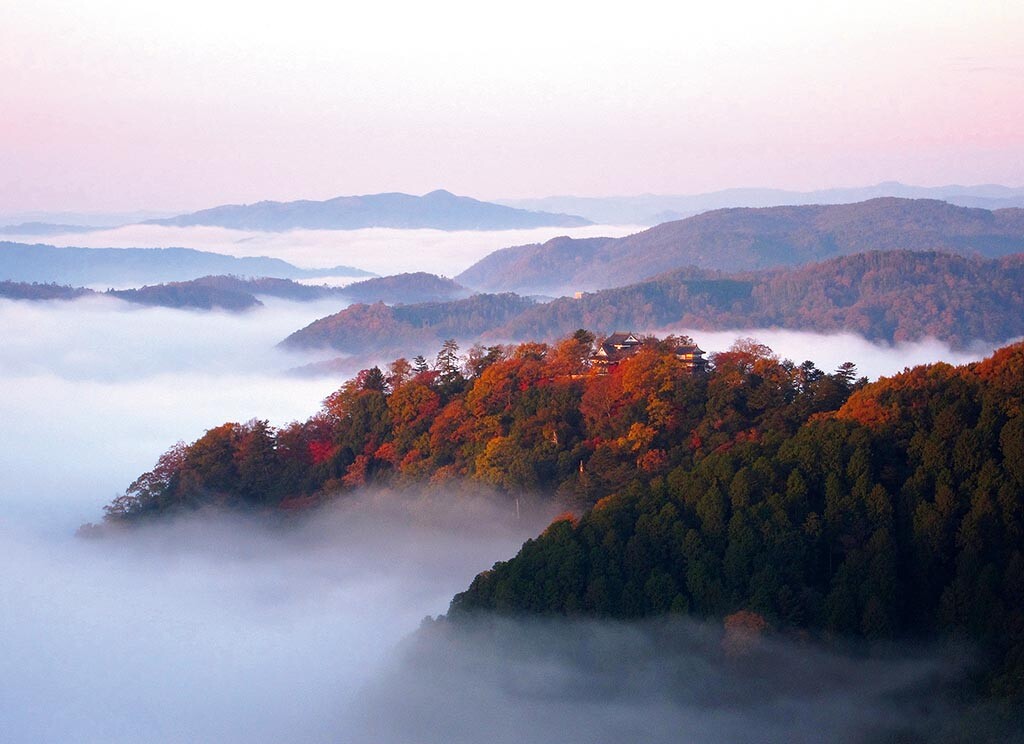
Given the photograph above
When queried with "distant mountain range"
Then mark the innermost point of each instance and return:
(237, 294)
(41, 229)
(746, 239)
(440, 210)
(653, 209)
(77, 221)
(136, 266)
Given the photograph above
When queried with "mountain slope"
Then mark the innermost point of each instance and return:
(747, 239)
(899, 515)
(406, 288)
(378, 328)
(440, 210)
(884, 296)
(890, 296)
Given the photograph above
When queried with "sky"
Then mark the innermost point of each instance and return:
(116, 105)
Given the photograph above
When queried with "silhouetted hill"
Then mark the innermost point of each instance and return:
(133, 266)
(440, 210)
(746, 239)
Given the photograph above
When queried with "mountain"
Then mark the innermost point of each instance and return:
(83, 220)
(44, 228)
(746, 239)
(41, 292)
(785, 496)
(406, 289)
(398, 288)
(378, 328)
(134, 266)
(191, 295)
(439, 210)
(897, 515)
(653, 209)
(884, 296)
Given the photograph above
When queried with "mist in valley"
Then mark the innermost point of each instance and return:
(226, 628)
(380, 250)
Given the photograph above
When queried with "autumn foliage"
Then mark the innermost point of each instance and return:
(806, 498)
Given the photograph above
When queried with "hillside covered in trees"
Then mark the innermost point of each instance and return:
(387, 329)
(899, 514)
(746, 239)
(532, 417)
(405, 289)
(889, 297)
(813, 500)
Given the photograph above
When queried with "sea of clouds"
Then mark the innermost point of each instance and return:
(378, 249)
(220, 628)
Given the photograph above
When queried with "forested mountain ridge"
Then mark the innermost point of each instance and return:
(406, 289)
(744, 239)
(812, 499)
(380, 328)
(516, 418)
(884, 296)
(901, 514)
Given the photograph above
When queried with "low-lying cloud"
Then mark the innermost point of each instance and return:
(227, 629)
(667, 680)
(378, 249)
(103, 338)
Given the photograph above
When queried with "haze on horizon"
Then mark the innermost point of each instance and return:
(113, 106)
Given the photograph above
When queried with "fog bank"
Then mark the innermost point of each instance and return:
(226, 629)
(665, 680)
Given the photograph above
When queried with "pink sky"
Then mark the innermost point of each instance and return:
(113, 105)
